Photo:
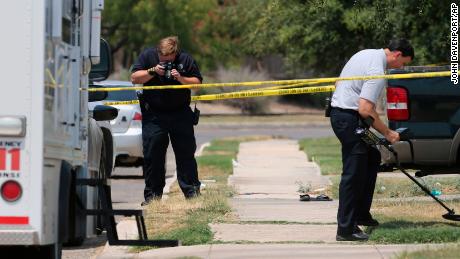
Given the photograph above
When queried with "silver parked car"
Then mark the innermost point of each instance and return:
(127, 126)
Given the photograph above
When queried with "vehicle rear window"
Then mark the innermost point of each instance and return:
(125, 95)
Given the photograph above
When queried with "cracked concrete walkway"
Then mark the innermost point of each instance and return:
(266, 176)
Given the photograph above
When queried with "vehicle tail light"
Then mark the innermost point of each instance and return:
(11, 191)
(397, 104)
(137, 116)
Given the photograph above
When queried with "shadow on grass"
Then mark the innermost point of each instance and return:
(400, 231)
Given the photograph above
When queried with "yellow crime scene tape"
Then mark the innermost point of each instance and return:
(284, 86)
(272, 90)
(312, 81)
(246, 94)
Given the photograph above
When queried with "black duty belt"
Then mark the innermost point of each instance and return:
(350, 111)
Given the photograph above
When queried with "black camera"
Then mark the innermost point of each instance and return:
(168, 66)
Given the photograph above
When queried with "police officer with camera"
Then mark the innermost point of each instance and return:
(166, 114)
(351, 102)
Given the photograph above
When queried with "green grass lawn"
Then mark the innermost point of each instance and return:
(400, 221)
(401, 232)
(413, 222)
(325, 152)
(402, 187)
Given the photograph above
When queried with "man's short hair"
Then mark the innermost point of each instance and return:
(168, 46)
(402, 45)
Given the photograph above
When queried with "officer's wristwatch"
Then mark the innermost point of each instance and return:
(151, 71)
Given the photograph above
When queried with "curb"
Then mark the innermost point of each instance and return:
(201, 149)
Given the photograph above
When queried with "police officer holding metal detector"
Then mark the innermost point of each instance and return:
(351, 102)
(166, 115)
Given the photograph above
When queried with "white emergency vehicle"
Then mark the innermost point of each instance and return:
(47, 139)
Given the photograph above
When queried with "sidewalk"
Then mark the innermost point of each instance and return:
(267, 177)
(271, 222)
(281, 251)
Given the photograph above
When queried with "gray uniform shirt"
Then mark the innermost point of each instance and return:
(367, 62)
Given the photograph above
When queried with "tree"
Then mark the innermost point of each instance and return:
(320, 35)
(132, 25)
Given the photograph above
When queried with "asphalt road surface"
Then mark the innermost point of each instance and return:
(128, 193)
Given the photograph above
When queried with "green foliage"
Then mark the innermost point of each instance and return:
(320, 35)
(133, 25)
(314, 37)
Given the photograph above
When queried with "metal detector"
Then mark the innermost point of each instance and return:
(371, 139)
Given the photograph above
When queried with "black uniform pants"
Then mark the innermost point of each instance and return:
(157, 129)
(360, 165)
